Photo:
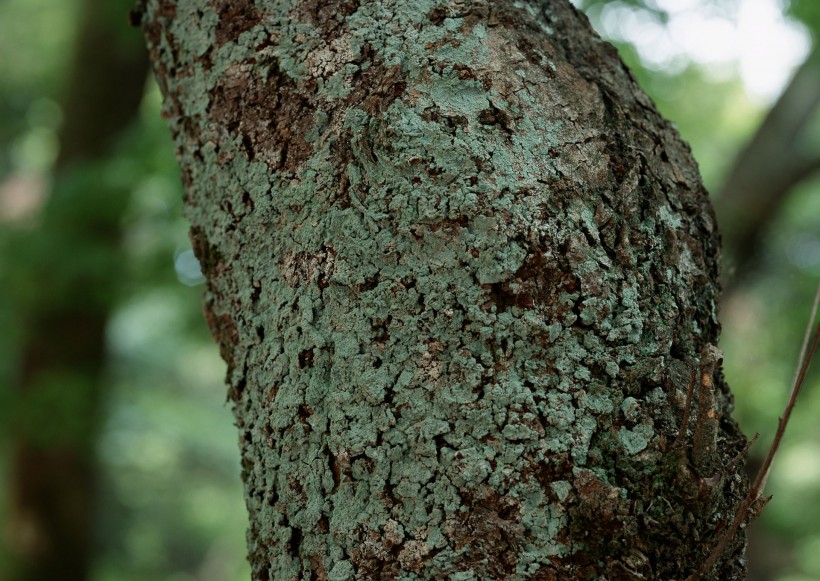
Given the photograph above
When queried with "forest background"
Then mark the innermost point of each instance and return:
(90, 223)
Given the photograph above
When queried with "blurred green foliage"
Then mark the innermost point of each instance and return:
(171, 504)
(170, 500)
(807, 12)
(33, 75)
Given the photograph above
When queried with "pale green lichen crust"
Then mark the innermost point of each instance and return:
(452, 254)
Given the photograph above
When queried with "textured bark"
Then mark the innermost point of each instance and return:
(71, 262)
(460, 269)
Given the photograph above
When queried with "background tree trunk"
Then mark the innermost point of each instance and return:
(68, 272)
(777, 158)
(460, 270)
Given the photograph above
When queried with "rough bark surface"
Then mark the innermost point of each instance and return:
(460, 269)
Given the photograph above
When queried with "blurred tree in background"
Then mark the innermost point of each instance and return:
(94, 258)
(64, 280)
(104, 351)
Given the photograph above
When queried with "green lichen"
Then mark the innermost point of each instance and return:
(630, 408)
(447, 299)
(637, 439)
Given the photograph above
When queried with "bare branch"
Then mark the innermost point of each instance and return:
(807, 352)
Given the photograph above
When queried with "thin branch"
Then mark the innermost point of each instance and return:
(799, 375)
(810, 341)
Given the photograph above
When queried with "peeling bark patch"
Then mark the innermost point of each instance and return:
(449, 123)
(335, 470)
(224, 331)
(379, 87)
(295, 543)
(329, 17)
(306, 360)
(437, 15)
(302, 268)
(534, 286)
(267, 112)
(235, 17)
(534, 56)
(209, 257)
(486, 537)
(157, 34)
(317, 568)
(495, 116)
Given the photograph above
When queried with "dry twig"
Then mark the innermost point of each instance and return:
(754, 497)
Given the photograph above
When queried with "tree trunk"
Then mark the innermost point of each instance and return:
(460, 270)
